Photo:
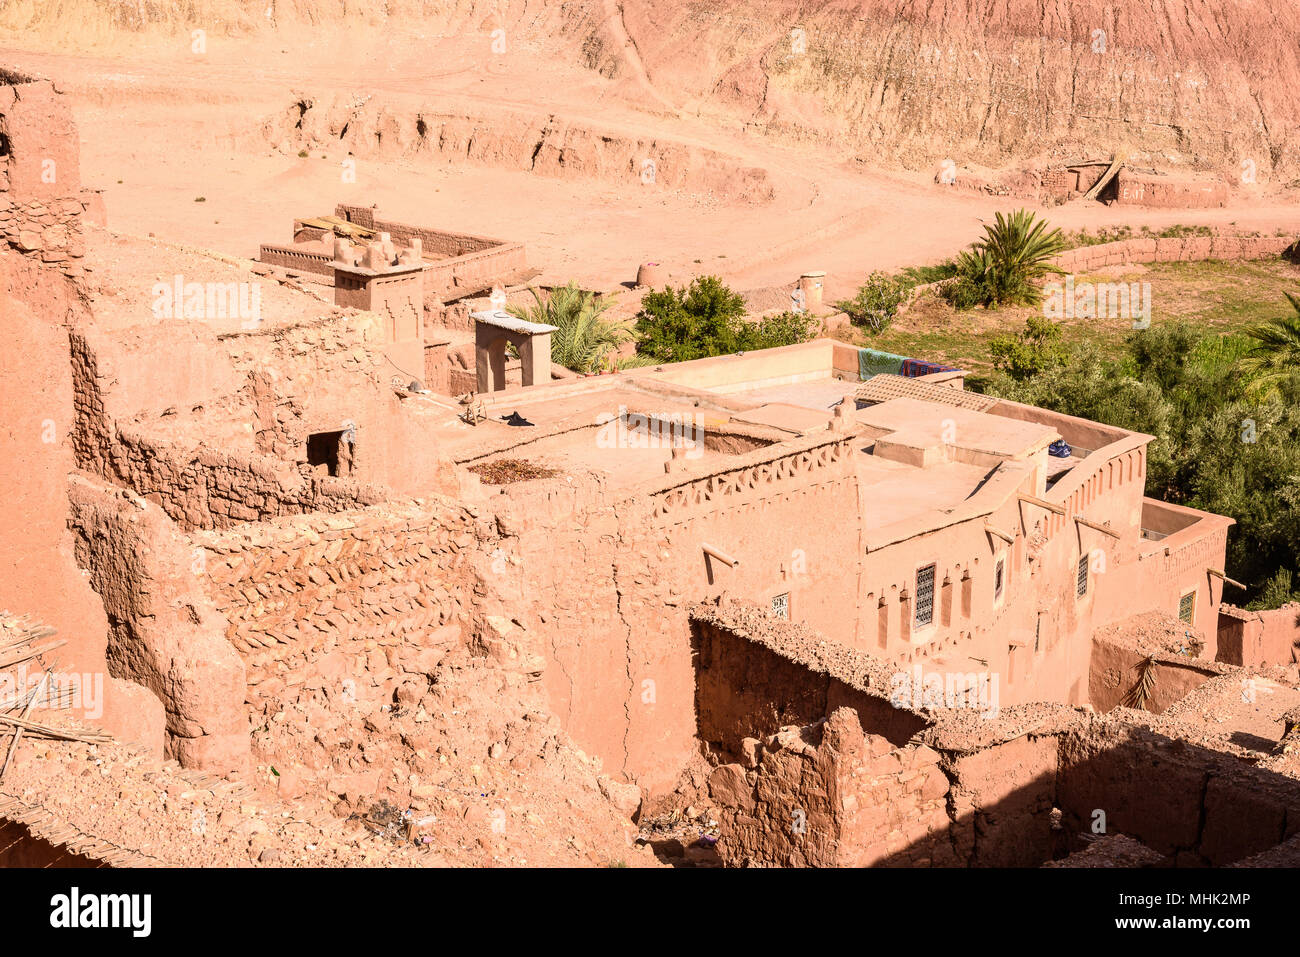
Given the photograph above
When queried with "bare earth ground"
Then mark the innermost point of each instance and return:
(162, 127)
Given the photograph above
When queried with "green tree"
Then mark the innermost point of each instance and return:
(1218, 444)
(708, 319)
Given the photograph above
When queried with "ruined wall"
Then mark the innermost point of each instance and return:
(164, 634)
(459, 264)
(215, 458)
(828, 795)
(1115, 671)
(1270, 637)
(1198, 805)
(41, 203)
(302, 589)
(755, 674)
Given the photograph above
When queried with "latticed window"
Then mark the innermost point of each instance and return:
(925, 595)
(781, 605)
(1187, 607)
(1082, 586)
(998, 571)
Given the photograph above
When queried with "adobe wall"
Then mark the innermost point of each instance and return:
(41, 202)
(1253, 638)
(164, 633)
(755, 674)
(1036, 635)
(1163, 192)
(579, 560)
(471, 263)
(247, 462)
(298, 260)
(1115, 672)
(1173, 566)
(297, 590)
(1225, 246)
(828, 795)
(1196, 804)
(1018, 792)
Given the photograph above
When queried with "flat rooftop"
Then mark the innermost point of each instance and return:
(927, 425)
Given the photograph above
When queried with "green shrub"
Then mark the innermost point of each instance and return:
(784, 329)
(1031, 352)
(877, 301)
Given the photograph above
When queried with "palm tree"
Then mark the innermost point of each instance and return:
(1276, 353)
(582, 338)
(1016, 252)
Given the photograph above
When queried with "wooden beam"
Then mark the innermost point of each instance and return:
(1218, 574)
(1106, 177)
(1097, 526)
(998, 533)
(1042, 503)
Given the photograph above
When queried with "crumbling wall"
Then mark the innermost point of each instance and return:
(1253, 638)
(41, 201)
(1001, 802)
(1199, 805)
(1116, 670)
(164, 633)
(755, 674)
(828, 795)
(576, 560)
(198, 488)
(300, 589)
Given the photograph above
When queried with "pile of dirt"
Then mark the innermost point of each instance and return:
(463, 764)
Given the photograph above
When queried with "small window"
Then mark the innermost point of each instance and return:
(1187, 608)
(781, 606)
(330, 453)
(1082, 585)
(925, 595)
(999, 570)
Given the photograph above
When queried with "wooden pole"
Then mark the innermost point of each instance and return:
(1042, 503)
(1097, 526)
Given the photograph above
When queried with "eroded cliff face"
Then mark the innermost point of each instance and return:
(1204, 84)
(1186, 83)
